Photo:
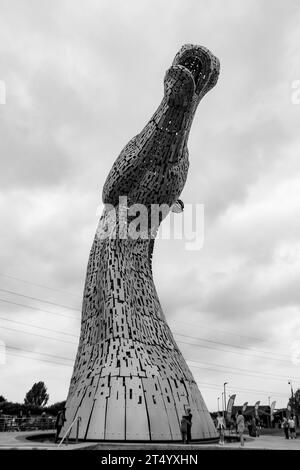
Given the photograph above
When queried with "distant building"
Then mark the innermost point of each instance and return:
(263, 413)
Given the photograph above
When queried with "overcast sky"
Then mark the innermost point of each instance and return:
(82, 78)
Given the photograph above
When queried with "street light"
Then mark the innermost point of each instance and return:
(223, 403)
(225, 383)
(218, 404)
(292, 392)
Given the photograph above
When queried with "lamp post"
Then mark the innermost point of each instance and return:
(223, 404)
(218, 404)
(225, 383)
(269, 398)
(292, 392)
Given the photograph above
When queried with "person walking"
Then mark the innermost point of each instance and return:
(60, 419)
(240, 421)
(254, 427)
(279, 424)
(285, 425)
(221, 428)
(249, 426)
(258, 427)
(292, 427)
(189, 425)
(183, 428)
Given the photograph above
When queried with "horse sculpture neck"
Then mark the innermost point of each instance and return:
(130, 380)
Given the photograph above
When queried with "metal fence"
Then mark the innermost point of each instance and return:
(13, 423)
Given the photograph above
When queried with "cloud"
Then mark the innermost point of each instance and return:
(81, 81)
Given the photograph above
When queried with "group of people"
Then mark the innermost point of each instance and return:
(186, 427)
(254, 427)
(289, 427)
(240, 427)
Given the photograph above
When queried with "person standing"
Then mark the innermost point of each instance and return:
(221, 428)
(19, 419)
(43, 420)
(292, 427)
(240, 421)
(189, 425)
(183, 428)
(285, 426)
(279, 424)
(258, 427)
(254, 428)
(60, 419)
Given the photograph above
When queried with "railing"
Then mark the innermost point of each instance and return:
(13, 423)
(67, 433)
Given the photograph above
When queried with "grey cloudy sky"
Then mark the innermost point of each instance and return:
(83, 77)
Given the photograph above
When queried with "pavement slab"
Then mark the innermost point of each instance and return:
(20, 441)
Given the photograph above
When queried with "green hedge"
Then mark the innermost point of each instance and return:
(10, 408)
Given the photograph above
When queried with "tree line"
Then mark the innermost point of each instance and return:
(35, 402)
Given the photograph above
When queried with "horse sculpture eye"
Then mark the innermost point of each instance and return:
(130, 381)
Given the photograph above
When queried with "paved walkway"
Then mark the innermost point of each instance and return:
(264, 442)
(268, 442)
(17, 440)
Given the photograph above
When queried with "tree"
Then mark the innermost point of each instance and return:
(37, 395)
(55, 408)
(2, 399)
(294, 403)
